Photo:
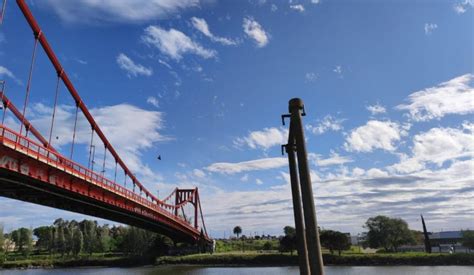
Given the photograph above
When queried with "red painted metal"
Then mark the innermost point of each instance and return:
(2, 12)
(56, 94)
(23, 156)
(67, 82)
(8, 104)
(30, 76)
(41, 161)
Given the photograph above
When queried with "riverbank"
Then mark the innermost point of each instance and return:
(249, 259)
(78, 262)
(277, 259)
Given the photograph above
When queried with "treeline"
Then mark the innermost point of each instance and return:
(73, 238)
(389, 234)
(331, 240)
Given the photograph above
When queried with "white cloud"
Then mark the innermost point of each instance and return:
(334, 159)
(442, 144)
(264, 139)
(455, 96)
(245, 166)
(430, 27)
(462, 6)
(345, 201)
(244, 178)
(338, 70)
(273, 8)
(174, 43)
(91, 11)
(374, 135)
(199, 173)
(298, 7)
(376, 173)
(201, 25)
(376, 109)
(6, 72)
(132, 69)
(406, 165)
(255, 31)
(311, 76)
(153, 101)
(328, 123)
(82, 62)
(315, 2)
(358, 172)
(438, 145)
(129, 136)
(258, 181)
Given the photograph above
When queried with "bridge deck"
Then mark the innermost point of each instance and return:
(32, 173)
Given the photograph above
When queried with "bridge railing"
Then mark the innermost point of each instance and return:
(45, 152)
(23, 144)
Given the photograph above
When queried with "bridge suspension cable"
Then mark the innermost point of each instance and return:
(30, 75)
(56, 94)
(3, 84)
(2, 12)
(41, 38)
(183, 197)
(7, 104)
(74, 130)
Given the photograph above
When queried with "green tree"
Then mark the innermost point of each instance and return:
(334, 241)
(161, 245)
(117, 234)
(68, 237)
(468, 239)
(288, 242)
(44, 235)
(137, 241)
(418, 237)
(60, 240)
(23, 240)
(103, 238)
(2, 239)
(237, 231)
(77, 242)
(267, 245)
(387, 233)
(289, 230)
(89, 231)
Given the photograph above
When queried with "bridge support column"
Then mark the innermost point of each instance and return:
(196, 205)
(176, 202)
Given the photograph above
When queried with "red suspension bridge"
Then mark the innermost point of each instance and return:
(32, 170)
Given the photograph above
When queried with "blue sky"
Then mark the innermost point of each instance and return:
(388, 88)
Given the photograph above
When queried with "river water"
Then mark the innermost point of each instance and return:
(192, 270)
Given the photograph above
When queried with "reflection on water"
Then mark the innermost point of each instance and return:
(195, 270)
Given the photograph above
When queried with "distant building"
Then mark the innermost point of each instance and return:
(9, 245)
(447, 241)
(445, 237)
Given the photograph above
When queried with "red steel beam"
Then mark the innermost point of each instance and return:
(59, 69)
(8, 104)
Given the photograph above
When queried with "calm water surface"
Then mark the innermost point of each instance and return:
(181, 270)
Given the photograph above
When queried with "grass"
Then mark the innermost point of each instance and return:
(253, 258)
(230, 254)
(96, 259)
(232, 258)
(245, 245)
